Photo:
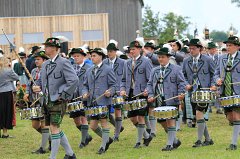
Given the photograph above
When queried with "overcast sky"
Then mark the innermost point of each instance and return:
(215, 14)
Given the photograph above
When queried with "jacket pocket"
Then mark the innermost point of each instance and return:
(58, 75)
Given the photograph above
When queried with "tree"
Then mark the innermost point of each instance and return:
(237, 2)
(171, 23)
(151, 27)
(218, 36)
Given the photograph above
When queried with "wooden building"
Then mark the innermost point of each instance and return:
(102, 19)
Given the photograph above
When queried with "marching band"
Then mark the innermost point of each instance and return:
(150, 84)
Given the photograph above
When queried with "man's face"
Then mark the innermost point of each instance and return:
(96, 59)
(39, 61)
(148, 50)
(112, 54)
(194, 50)
(212, 51)
(163, 59)
(232, 48)
(49, 50)
(135, 51)
(174, 47)
(78, 58)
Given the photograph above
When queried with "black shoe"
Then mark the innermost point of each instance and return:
(39, 151)
(147, 141)
(50, 145)
(232, 147)
(167, 148)
(193, 125)
(7, 136)
(122, 128)
(138, 145)
(219, 111)
(153, 135)
(89, 139)
(70, 157)
(115, 139)
(177, 144)
(198, 143)
(207, 143)
(110, 141)
(82, 145)
(148, 130)
(101, 151)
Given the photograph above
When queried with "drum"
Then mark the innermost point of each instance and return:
(25, 113)
(117, 101)
(203, 97)
(74, 106)
(36, 113)
(165, 112)
(230, 101)
(96, 110)
(135, 104)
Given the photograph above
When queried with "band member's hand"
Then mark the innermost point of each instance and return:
(181, 97)
(85, 96)
(25, 97)
(107, 93)
(213, 88)
(188, 87)
(145, 93)
(151, 99)
(123, 93)
(36, 89)
(219, 82)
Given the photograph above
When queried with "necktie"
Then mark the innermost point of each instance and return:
(95, 69)
(37, 75)
(228, 78)
(195, 77)
(159, 88)
(78, 69)
(111, 64)
(133, 79)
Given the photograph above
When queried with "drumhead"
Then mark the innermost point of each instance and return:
(164, 108)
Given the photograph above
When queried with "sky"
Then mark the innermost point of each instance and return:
(213, 14)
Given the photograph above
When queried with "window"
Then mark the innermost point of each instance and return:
(3, 39)
(92, 35)
(29, 38)
(67, 34)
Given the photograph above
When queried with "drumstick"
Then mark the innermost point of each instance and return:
(77, 98)
(235, 83)
(205, 88)
(156, 96)
(101, 95)
(138, 95)
(35, 101)
(173, 97)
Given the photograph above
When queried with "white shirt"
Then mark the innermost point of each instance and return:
(53, 59)
(112, 61)
(233, 56)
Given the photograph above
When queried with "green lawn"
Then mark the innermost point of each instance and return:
(26, 139)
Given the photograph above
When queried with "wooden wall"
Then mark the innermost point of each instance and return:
(125, 16)
(50, 24)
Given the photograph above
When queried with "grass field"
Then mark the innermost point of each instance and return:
(26, 139)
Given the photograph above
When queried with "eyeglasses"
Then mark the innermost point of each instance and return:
(194, 48)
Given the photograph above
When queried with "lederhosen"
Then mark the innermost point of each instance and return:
(53, 110)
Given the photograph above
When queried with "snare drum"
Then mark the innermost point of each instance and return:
(74, 106)
(165, 112)
(203, 97)
(117, 102)
(25, 113)
(135, 104)
(96, 110)
(36, 113)
(230, 101)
